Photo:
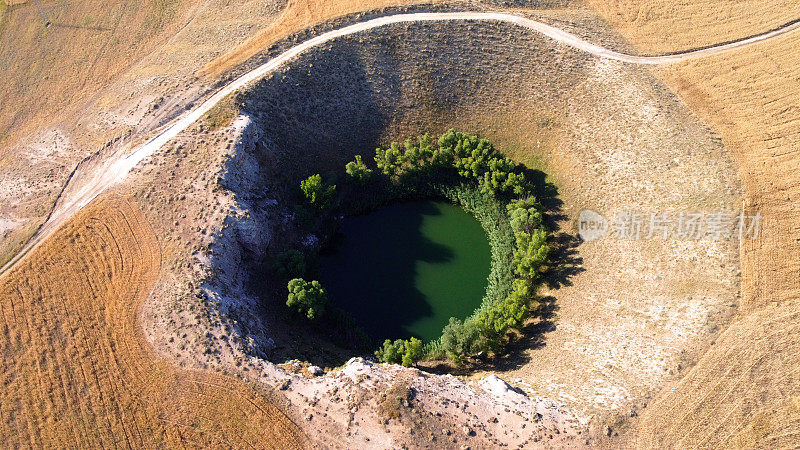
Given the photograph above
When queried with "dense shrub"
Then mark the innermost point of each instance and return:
(405, 352)
(290, 264)
(357, 171)
(460, 339)
(317, 192)
(530, 253)
(307, 298)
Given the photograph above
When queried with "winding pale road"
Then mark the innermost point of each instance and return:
(118, 169)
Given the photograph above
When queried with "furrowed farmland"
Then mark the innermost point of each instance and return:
(76, 369)
(400, 224)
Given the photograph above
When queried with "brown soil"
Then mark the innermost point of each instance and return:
(88, 44)
(625, 317)
(96, 74)
(664, 26)
(751, 98)
(76, 368)
(743, 391)
(298, 14)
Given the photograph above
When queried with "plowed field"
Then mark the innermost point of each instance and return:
(744, 391)
(76, 370)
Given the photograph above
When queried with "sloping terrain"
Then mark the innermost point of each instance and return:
(50, 72)
(743, 394)
(97, 73)
(298, 14)
(662, 26)
(627, 311)
(751, 98)
(44, 71)
(745, 390)
(76, 368)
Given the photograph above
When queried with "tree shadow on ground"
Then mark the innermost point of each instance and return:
(564, 264)
(531, 337)
(564, 260)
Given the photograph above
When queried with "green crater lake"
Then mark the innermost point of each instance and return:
(403, 270)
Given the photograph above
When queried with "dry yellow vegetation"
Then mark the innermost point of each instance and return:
(76, 370)
(297, 15)
(89, 44)
(744, 391)
(751, 98)
(665, 26)
(750, 376)
(743, 394)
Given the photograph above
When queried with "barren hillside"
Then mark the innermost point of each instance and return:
(744, 391)
(298, 14)
(626, 314)
(100, 321)
(751, 98)
(96, 74)
(47, 71)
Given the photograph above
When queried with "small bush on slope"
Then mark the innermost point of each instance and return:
(307, 298)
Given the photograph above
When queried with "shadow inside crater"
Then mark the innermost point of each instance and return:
(349, 96)
(373, 277)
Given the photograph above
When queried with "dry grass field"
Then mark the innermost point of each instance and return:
(76, 369)
(97, 73)
(45, 72)
(742, 394)
(663, 26)
(744, 391)
(751, 98)
(297, 15)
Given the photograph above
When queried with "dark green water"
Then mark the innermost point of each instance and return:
(405, 269)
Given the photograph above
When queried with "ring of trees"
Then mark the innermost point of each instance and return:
(469, 172)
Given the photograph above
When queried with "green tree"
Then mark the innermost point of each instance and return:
(501, 177)
(509, 314)
(411, 155)
(290, 264)
(317, 192)
(357, 171)
(390, 352)
(405, 352)
(412, 352)
(474, 162)
(460, 339)
(524, 214)
(459, 143)
(530, 253)
(389, 160)
(442, 157)
(425, 146)
(308, 298)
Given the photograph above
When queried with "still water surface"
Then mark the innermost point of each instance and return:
(403, 270)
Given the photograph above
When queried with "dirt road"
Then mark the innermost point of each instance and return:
(117, 170)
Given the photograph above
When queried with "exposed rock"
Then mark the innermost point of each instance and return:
(498, 387)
